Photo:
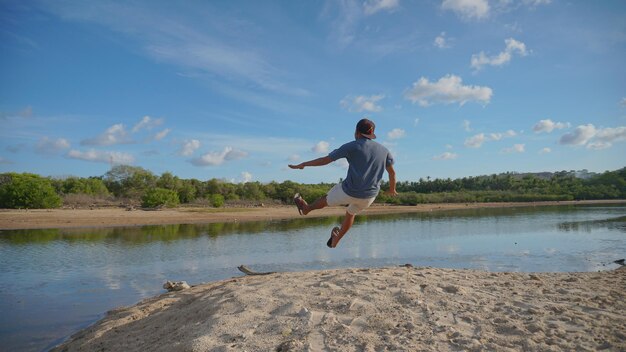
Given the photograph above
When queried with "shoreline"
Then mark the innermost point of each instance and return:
(12, 219)
(393, 308)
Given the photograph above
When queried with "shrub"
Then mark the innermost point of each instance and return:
(156, 197)
(217, 200)
(19, 191)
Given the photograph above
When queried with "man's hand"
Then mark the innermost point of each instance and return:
(299, 166)
(391, 192)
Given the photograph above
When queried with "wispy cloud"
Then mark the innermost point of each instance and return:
(468, 9)
(102, 156)
(362, 103)
(148, 123)
(50, 146)
(396, 133)
(246, 177)
(513, 47)
(211, 46)
(189, 147)
(447, 90)
(218, 158)
(162, 134)
(446, 156)
(441, 41)
(466, 126)
(477, 140)
(371, 7)
(548, 126)
(516, 148)
(25, 113)
(115, 134)
(545, 150)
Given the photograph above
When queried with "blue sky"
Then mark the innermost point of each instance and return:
(239, 89)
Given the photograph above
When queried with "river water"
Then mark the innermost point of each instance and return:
(54, 282)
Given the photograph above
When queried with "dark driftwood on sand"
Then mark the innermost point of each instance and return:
(244, 269)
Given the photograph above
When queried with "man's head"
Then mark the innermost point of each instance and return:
(365, 128)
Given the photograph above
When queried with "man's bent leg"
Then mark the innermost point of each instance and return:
(348, 220)
(318, 204)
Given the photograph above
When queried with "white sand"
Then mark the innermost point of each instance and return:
(389, 309)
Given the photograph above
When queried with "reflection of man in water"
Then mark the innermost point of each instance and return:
(367, 161)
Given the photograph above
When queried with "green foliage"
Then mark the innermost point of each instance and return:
(134, 183)
(91, 186)
(129, 181)
(156, 197)
(29, 191)
(217, 200)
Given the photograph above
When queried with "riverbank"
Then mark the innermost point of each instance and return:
(108, 217)
(402, 308)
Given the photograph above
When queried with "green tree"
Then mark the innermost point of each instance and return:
(156, 197)
(129, 181)
(19, 191)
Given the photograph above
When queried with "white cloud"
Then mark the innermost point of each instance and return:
(441, 41)
(148, 123)
(623, 102)
(189, 147)
(293, 158)
(467, 9)
(102, 156)
(545, 151)
(362, 103)
(517, 148)
(396, 133)
(512, 46)
(466, 125)
(5, 161)
(246, 177)
(321, 147)
(580, 136)
(548, 126)
(49, 146)
(477, 140)
(218, 158)
(498, 136)
(162, 134)
(595, 139)
(599, 145)
(115, 134)
(416, 121)
(370, 7)
(447, 90)
(611, 134)
(446, 156)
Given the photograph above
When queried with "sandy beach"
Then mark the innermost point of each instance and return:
(386, 309)
(66, 218)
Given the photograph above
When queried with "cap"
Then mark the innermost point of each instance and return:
(366, 128)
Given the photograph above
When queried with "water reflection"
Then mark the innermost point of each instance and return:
(618, 223)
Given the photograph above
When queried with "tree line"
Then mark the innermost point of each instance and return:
(135, 185)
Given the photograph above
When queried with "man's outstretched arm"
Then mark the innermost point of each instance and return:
(392, 181)
(315, 162)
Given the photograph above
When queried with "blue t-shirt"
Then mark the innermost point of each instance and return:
(368, 161)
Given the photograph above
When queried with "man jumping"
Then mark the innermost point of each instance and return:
(367, 161)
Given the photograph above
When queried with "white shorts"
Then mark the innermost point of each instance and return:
(336, 196)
